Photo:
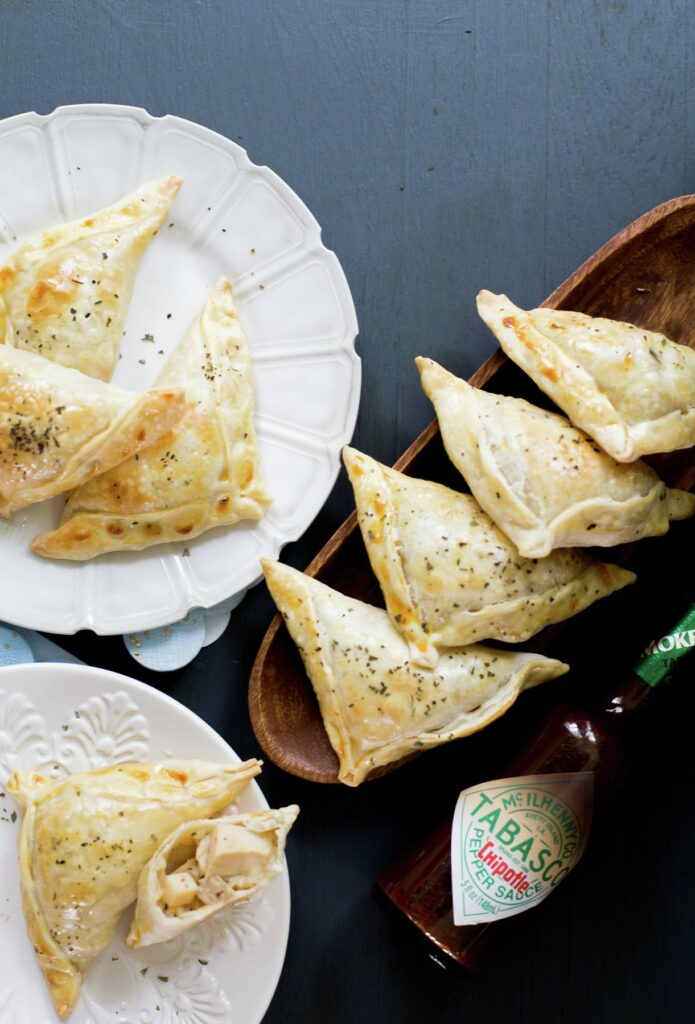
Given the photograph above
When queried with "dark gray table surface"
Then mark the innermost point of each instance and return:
(444, 146)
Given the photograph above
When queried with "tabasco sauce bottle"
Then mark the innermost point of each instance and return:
(515, 839)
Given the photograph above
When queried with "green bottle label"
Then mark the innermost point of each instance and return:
(661, 655)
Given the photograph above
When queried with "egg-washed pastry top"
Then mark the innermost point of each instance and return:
(450, 576)
(206, 866)
(203, 473)
(84, 841)
(377, 705)
(59, 427)
(544, 482)
(66, 292)
(630, 389)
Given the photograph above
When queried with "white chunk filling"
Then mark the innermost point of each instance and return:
(233, 850)
(225, 858)
(179, 889)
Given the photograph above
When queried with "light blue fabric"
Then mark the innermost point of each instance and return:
(14, 650)
(20, 646)
(162, 650)
(171, 647)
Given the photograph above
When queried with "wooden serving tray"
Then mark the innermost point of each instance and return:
(644, 275)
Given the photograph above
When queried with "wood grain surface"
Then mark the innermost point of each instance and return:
(444, 146)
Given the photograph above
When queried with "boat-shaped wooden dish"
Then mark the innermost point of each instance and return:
(644, 275)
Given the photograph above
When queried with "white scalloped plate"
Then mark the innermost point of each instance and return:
(223, 972)
(230, 217)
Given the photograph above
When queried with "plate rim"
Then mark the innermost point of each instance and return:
(190, 599)
(47, 668)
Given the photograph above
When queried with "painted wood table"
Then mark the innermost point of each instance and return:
(444, 146)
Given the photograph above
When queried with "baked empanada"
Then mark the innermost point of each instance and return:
(203, 474)
(451, 577)
(377, 705)
(544, 482)
(630, 389)
(206, 866)
(59, 427)
(67, 290)
(84, 841)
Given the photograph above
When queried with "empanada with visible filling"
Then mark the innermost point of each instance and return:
(377, 705)
(84, 841)
(544, 482)
(207, 866)
(630, 389)
(450, 576)
(67, 291)
(59, 427)
(204, 473)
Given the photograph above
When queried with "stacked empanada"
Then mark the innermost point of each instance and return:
(506, 561)
(165, 465)
(630, 389)
(545, 483)
(66, 292)
(202, 473)
(450, 576)
(59, 428)
(377, 704)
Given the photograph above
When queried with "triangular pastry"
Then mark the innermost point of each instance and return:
(543, 481)
(377, 705)
(207, 866)
(450, 576)
(204, 473)
(630, 389)
(66, 292)
(84, 841)
(59, 427)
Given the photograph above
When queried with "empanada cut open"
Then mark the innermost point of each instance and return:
(84, 841)
(207, 866)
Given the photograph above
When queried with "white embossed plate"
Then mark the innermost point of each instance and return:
(63, 718)
(230, 217)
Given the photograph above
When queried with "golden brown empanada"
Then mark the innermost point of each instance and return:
(544, 482)
(67, 290)
(630, 389)
(203, 474)
(59, 427)
(451, 577)
(84, 841)
(377, 705)
(206, 866)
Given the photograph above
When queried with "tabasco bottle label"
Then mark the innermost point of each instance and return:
(514, 840)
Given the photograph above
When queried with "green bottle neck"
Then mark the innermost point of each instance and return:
(657, 663)
(663, 654)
